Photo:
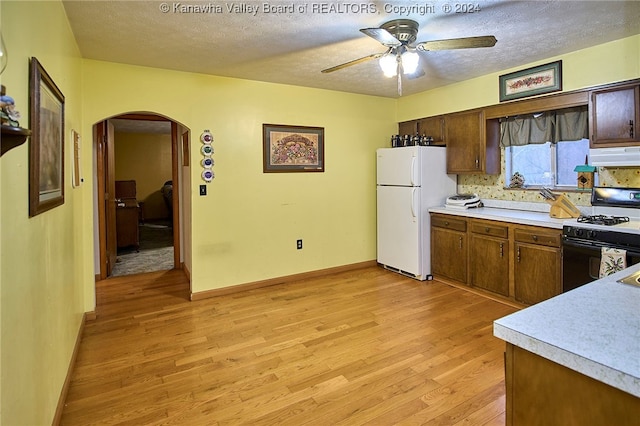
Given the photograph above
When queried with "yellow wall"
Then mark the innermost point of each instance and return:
(245, 229)
(46, 260)
(610, 62)
(145, 158)
(615, 61)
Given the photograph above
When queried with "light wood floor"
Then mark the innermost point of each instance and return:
(359, 347)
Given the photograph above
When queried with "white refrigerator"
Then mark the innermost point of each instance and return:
(410, 180)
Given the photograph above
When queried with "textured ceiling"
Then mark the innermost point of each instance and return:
(245, 40)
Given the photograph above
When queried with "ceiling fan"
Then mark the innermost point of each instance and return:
(401, 56)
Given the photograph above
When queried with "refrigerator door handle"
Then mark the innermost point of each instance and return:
(413, 167)
(413, 203)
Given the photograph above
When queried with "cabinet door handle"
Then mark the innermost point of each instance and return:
(518, 254)
(460, 241)
(535, 238)
(486, 229)
(631, 128)
(501, 249)
(477, 162)
(446, 223)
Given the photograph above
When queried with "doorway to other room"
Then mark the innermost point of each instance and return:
(138, 194)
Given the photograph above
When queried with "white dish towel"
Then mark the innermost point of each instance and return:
(612, 260)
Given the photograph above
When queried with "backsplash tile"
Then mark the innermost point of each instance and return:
(628, 177)
(492, 186)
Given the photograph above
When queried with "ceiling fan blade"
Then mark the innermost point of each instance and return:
(457, 43)
(354, 62)
(383, 36)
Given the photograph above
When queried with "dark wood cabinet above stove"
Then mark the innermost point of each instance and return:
(614, 117)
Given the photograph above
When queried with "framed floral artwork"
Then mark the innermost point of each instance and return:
(531, 81)
(46, 147)
(292, 148)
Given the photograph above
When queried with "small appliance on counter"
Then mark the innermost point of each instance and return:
(463, 201)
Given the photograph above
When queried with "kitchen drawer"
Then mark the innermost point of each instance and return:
(449, 222)
(534, 236)
(485, 228)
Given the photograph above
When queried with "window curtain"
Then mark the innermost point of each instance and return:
(569, 124)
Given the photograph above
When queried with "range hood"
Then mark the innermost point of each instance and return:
(625, 156)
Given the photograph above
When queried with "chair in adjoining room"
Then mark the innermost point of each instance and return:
(167, 195)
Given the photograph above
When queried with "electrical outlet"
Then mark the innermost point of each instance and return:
(203, 189)
(299, 244)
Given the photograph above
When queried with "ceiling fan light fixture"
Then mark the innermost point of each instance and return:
(410, 62)
(389, 65)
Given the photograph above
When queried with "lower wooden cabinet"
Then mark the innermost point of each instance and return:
(537, 267)
(517, 262)
(489, 257)
(449, 247)
(541, 392)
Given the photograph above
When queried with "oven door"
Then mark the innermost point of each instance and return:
(581, 262)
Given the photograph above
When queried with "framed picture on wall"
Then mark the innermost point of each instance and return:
(292, 148)
(531, 81)
(46, 147)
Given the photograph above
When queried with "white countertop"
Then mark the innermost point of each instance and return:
(594, 330)
(523, 217)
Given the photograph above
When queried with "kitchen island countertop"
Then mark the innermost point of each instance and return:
(594, 330)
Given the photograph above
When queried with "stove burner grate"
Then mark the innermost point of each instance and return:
(603, 220)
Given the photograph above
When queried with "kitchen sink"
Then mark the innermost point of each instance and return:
(633, 279)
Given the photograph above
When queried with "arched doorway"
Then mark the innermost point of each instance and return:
(120, 218)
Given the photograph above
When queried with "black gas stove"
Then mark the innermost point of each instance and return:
(600, 228)
(601, 219)
(584, 238)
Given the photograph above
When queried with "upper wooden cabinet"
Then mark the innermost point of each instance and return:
(472, 137)
(429, 126)
(472, 143)
(615, 114)
(432, 127)
(408, 127)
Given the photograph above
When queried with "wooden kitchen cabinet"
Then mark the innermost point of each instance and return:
(408, 127)
(542, 392)
(472, 143)
(489, 256)
(537, 265)
(432, 127)
(615, 114)
(519, 263)
(428, 126)
(449, 247)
